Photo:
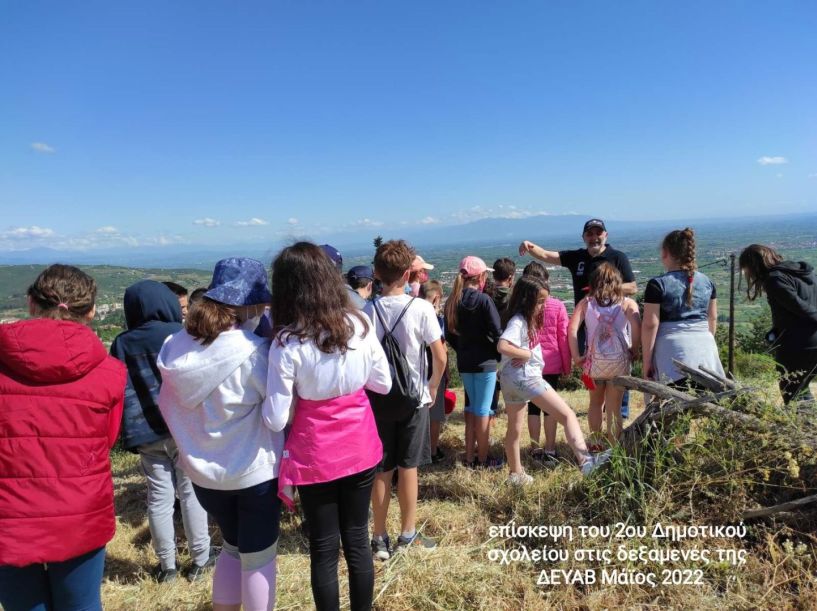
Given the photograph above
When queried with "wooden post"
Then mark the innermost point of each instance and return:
(731, 364)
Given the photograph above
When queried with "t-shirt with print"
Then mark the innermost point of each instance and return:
(581, 265)
(418, 327)
(670, 292)
(516, 332)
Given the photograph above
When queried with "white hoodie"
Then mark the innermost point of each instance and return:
(211, 399)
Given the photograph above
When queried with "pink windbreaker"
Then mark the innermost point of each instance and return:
(553, 337)
(329, 439)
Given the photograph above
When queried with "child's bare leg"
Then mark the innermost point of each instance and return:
(516, 419)
(555, 406)
(482, 431)
(469, 437)
(434, 430)
(550, 433)
(594, 412)
(613, 396)
(534, 424)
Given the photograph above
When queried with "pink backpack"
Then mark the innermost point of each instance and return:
(608, 352)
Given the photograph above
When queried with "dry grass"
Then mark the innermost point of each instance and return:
(458, 506)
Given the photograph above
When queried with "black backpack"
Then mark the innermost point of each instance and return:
(406, 394)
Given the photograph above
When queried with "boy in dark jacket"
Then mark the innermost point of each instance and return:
(153, 313)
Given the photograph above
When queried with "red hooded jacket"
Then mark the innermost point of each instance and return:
(61, 399)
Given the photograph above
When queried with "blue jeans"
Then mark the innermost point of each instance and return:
(70, 585)
(248, 518)
(480, 390)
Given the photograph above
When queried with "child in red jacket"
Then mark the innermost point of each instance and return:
(61, 399)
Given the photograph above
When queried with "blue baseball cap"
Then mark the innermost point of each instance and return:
(333, 254)
(239, 281)
(360, 272)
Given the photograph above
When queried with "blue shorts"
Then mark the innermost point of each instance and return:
(480, 389)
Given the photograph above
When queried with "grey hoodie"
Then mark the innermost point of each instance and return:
(211, 399)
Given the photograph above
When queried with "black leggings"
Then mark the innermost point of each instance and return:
(797, 368)
(340, 507)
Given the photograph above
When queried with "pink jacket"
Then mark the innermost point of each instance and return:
(553, 337)
(329, 439)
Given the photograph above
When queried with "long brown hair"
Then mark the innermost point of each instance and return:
(605, 285)
(680, 244)
(309, 301)
(454, 299)
(63, 292)
(524, 300)
(208, 319)
(755, 261)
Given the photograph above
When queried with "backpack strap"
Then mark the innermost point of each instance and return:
(396, 322)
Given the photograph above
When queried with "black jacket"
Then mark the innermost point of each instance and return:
(153, 313)
(478, 330)
(791, 289)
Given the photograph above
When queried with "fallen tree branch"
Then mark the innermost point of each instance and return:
(704, 377)
(681, 402)
(783, 507)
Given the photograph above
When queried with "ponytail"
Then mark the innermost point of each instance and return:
(452, 303)
(680, 244)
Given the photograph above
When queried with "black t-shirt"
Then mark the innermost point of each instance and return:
(581, 265)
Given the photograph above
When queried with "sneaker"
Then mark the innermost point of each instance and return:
(595, 462)
(381, 548)
(520, 479)
(549, 457)
(196, 571)
(437, 457)
(163, 575)
(419, 541)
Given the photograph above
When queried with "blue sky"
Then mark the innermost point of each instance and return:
(212, 122)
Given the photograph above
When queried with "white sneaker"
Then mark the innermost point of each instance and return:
(595, 461)
(520, 479)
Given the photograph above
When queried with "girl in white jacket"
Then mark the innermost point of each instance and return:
(214, 377)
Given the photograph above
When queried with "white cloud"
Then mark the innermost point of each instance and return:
(429, 220)
(779, 175)
(253, 222)
(107, 230)
(475, 213)
(27, 233)
(766, 160)
(207, 222)
(292, 221)
(42, 147)
(366, 223)
(813, 175)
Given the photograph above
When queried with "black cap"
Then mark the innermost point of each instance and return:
(594, 223)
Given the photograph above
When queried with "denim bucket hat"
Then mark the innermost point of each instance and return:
(239, 281)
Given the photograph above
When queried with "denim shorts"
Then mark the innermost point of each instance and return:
(521, 389)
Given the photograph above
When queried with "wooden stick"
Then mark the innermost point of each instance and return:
(704, 379)
(783, 507)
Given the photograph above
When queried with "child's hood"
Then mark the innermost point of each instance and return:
(45, 351)
(471, 299)
(148, 300)
(191, 371)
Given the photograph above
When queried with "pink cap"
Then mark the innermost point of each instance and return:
(473, 266)
(420, 263)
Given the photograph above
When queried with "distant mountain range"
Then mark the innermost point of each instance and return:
(553, 230)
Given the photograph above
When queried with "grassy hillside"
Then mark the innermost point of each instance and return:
(706, 476)
(111, 282)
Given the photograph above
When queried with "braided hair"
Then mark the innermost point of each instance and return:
(680, 244)
(63, 292)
